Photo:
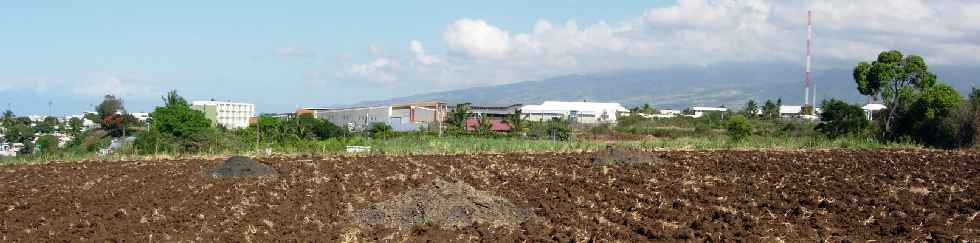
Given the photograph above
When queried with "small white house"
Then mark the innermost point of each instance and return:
(581, 112)
(870, 109)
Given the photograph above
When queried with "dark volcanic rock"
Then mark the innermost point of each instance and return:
(237, 166)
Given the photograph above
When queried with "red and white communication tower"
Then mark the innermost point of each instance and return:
(809, 36)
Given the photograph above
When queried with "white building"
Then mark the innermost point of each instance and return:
(86, 123)
(141, 116)
(699, 110)
(790, 110)
(662, 114)
(581, 112)
(870, 109)
(230, 115)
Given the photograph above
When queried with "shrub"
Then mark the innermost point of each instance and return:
(739, 128)
(600, 129)
(553, 130)
(153, 142)
(380, 130)
(47, 144)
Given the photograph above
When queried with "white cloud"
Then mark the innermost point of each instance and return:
(294, 52)
(476, 38)
(696, 32)
(419, 52)
(380, 70)
(115, 85)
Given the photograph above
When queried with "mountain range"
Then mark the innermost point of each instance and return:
(680, 87)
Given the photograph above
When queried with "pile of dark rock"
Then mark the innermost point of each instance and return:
(238, 166)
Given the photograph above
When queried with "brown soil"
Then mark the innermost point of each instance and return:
(719, 196)
(615, 155)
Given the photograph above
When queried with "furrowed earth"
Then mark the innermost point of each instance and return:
(791, 196)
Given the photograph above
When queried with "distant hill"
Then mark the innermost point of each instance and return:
(680, 87)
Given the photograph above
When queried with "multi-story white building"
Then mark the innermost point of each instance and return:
(230, 115)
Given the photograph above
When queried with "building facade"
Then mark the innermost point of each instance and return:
(579, 112)
(141, 116)
(230, 115)
(355, 119)
(699, 111)
(405, 117)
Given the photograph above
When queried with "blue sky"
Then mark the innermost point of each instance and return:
(318, 53)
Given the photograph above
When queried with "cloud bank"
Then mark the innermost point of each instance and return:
(689, 32)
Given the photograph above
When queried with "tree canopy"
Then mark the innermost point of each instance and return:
(176, 122)
(750, 109)
(840, 118)
(896, 79)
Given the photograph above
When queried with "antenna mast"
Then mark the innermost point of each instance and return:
(809, 35)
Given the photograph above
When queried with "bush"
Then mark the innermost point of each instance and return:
(553, 130)
(380, 130)
(601, 129)
(840, 118)
(47, 144)
(739, 128)
(964, 123)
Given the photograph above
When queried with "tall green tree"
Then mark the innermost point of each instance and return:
(750, 109)
(8, 118)
(47, 125)
(770, 110)
(112, 116)
(457, 117)
(172, 99)
(74, 126)
(110, 106)
(896, 78)
(840, 118)
(176, 121)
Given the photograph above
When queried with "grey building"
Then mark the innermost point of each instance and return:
(494, 111)
(356, 119)
(408, 117)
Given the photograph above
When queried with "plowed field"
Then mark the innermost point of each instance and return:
(715, 195)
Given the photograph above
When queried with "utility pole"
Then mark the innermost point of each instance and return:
(809, 35)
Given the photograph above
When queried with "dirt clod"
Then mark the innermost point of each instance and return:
(237, 166)
(444, 204)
